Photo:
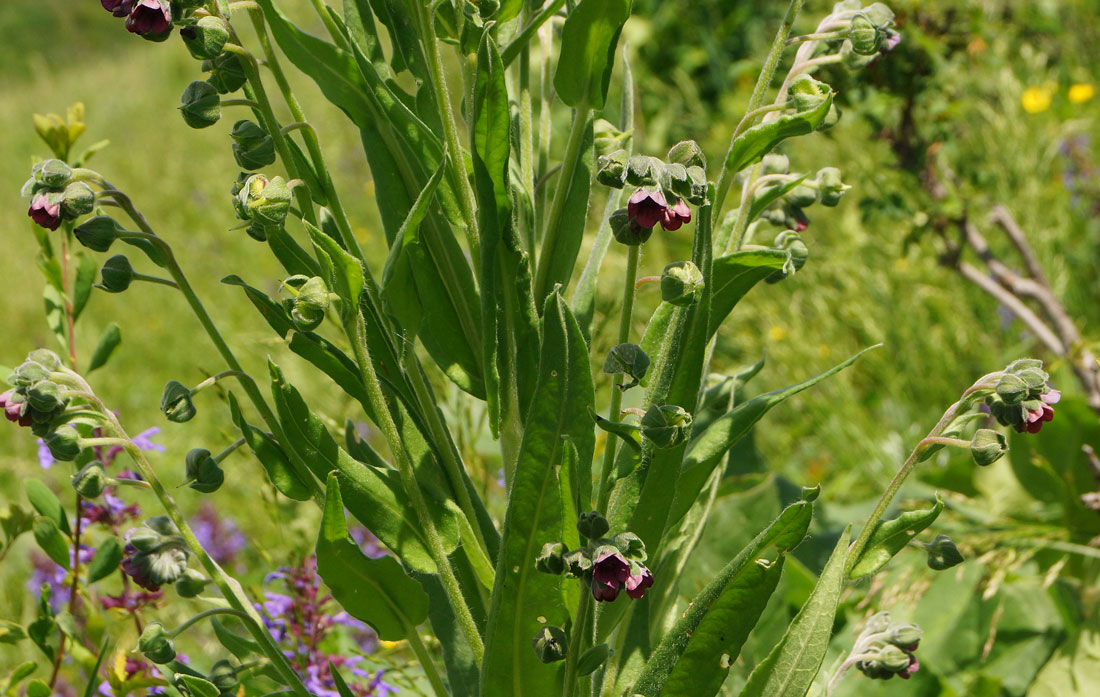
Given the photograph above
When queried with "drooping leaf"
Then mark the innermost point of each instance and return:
(522, 595)
(588, 42)
(51, 541)
(240, 646)
(342, 272)
(694, 657)
(758, 141)
(44, 501)
(735, 275)
(271, 311)
(791, 667)
(105, 348)
(106, 560)
(275, 462)
(359, 20)
(376, 591)
(891, 536)
(199, 687)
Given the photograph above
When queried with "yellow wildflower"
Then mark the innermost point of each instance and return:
(776, 333)
(1081, 92)
(1036, 99)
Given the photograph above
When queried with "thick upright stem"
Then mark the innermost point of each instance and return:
(579, 641)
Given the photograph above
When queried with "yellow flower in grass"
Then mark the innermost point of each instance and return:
(1081, 92)
(1036, 99)
(776, 333)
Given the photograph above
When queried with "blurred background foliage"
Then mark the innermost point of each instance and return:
(984, 102)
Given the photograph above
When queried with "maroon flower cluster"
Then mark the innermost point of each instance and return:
(15, 411)
(611, 573)
(648, 207)
(1037, 417)
(150, 18)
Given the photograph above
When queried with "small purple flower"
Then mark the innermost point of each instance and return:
(609, 573)
(45, 457)
(219, 534)
(149, 17)
(1036, 418)
(368, 543)
(18, 412)
(119, 8)
(46, 214)
(636, 584)
(907, 672)
(676, 216)
(647, 208)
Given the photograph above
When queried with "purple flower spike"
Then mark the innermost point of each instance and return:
(150, 17)
(119, 8)
(647, 208)
(609, 573)
(46, 214)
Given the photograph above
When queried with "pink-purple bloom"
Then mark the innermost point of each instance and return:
(636, 584)
(219, 535)
(16, 412)
(610, 571)
(149, 17)
(119, 8)
(648, 207)
(45, 213)
(1037, 417)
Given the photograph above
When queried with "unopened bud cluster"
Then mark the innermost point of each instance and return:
(1022, 398)
(155, 554)
(35, 400)
(664, 189)
(609, 565)
(55, 195)
(885, 648)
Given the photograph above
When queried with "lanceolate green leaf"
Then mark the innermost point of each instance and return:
(706, 449)
(522, 595)
(758, 141)
(109, 341)
(689, 661)
(376, 591)
(279, 469)
(46, 503)
(106, 560)
(891, 536)
(588, 42)
(735, 275)
(791, 667)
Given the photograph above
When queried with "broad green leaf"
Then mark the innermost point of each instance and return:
(627, 433)
(279, 469)
(407, 52)
(359, 20)
(106, 560)
(735, 275)
(240, 646)
(1073, 669)
(694, 657)
(38, 688)
(375, 497)
(12, 679)
(330, 360)
(758, 141)
(791, 667)
(271, 311)
(376, 591)
(82, 285)
(199, 687)
(43, 632)
(52, 542)
(588, 42)
(522, 595)
(11, 633)
(706, 449)
(105, 348)
(891, 536)
(44, 501)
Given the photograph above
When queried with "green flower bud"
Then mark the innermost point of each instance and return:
(200, 105)
(675, 181)
(191, 583)
(202, 471)
(879, 14)
(891, 659)
(687, 153)
(774, 164)
(91, 480)
(807, 94)
(629, 359)
(551, 558)
(28, 373)
(666, 425)
(626, 231)
(831, 187)
(877, 624)
(550, 644)
(308, 308)
(98, 233)
(253, 148)
(224, 676)
(905, 636)
(144, 539)
(266, 201)
(642, 170)
(577, 563)
(45, 358)
(206, 38)
(592, 525)
(943, 554)
(988, 446)
(64, 443)
(851, 60)
(52, 173)
(790, 241)
(802, 196)
(45, 395)
(866, 38)
(78, 200)
(1012, 389)
(681, 283)
(611, 168)
(697, 178)
(1034, 378)
(607, 136)
(631, 546)
(226, 73)
(155, 643)
(117, 274)
(176, 402)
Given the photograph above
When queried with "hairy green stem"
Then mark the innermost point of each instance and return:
(243, 616)
(523, 38)
(426, 662)
(579, 639)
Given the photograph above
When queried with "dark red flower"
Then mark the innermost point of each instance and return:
(149, 17)
(119, 8)
(647, 208)
(16, 412)
(675, 216)
(609, 573)
(913, 667)
(1036, 418)
(636, 584)
(46, 214)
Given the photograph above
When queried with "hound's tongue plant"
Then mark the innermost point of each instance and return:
(568, 586)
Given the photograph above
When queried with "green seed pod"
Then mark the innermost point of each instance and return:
(626, 231)
(831, 187)
(631, 546)
(551, 559)
(155, 643)
(117, 274)
(687, 153)
(697, 177)
(226, 73)
(98, 233)
(988, 446)
(627, 359)
(266, 201)
(905, 636)
(191, 583)
(775, 164)
(52, 173)
(308, 309)
(91, 480)
(802, 196)
(253, 148)
(550, 644)
(592, 525)
(202, 471)
(943, 554)
(1012, 388)
(642, 170)
(45, 395)
(611, 168)
(78, 200)
(806, 93)
(667, 425)
(792, 243)
(176, 402)
(866, 38)
(200, 105)
(681, 283)
(64, 443)
(206, 38)
(224, 676)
